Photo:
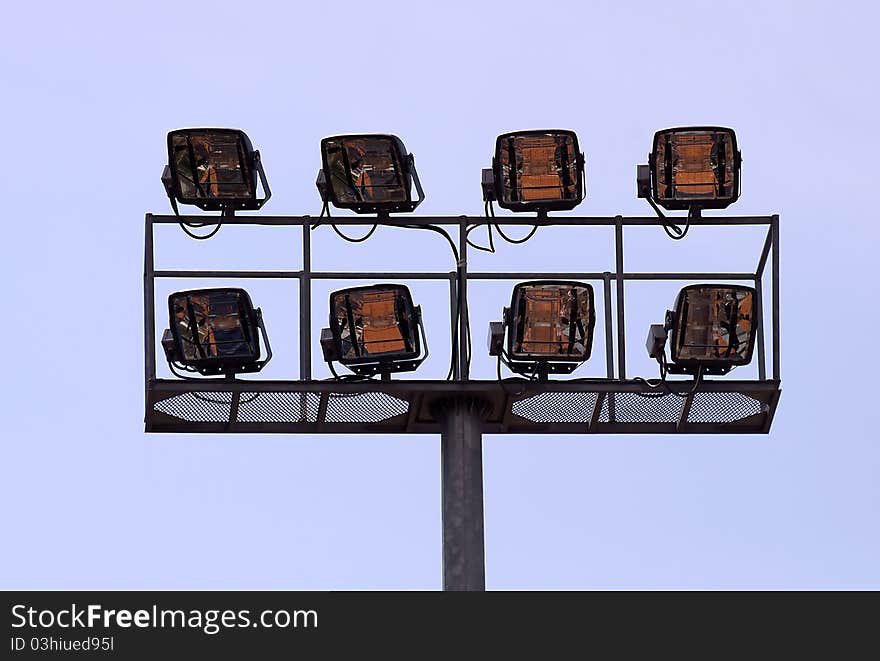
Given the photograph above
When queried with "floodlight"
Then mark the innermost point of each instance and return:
(549, 327)
(374, 330)
(713, 329)
(693, 168)
(368, 174)
(215, 331)
(213, 169)
(536, 171)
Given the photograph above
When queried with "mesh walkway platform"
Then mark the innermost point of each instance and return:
(405, 406)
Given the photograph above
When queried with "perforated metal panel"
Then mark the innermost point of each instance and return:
(198, 406)
(724, 407)
(638, 408)
(557, 407)
(641, 407)
(366, 407)
(278, 407)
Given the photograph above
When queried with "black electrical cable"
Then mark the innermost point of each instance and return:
(352, 240)
(673, 231)
(198, 237)
(455, 253)
(663, 383)
(184, 225)
(515, 379)
(501, 233)
(469, 347)
(660, 383)
(459, 304)
(220, 401)
(516, 241)
(190, 378)
(325, 212)
(438, 230)
(471, 228)
(181, 376)
(346, 377)
(491, 247)
(451, 370)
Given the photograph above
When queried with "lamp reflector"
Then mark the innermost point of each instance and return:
(368, 173)
(374, 323)
(210, 167)
(538, 170)
(551, 320)
(214, 330)
(695, 166)
(714, 325)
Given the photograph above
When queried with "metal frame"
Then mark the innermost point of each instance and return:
(611, 393)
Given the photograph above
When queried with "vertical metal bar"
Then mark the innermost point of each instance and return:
(609, 337)
(597, 410)
(621, 332)
(322, 410)
(463, 335)
(305, 308)
(609, 351)
(759, 338)
(305, 319)
(233, 409)
(415, 407)
(461, 447)
(776, 362)
(685, 412)
(149, 311)
(453, 316)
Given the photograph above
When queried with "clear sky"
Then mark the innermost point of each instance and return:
(89, 92)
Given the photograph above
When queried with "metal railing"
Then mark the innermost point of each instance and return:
(614, 333)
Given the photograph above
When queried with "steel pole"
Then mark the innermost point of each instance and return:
(461, 447)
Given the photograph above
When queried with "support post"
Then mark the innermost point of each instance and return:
(621, 333)
(149, 311)
(774, 227)
(463, 332)
(305, 319)
(305, 306)
(461, 447)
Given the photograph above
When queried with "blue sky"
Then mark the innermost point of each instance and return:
(91, 89)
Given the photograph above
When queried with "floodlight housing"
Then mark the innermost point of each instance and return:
(368, 173)
(692, 167)
(539, 171)
(374, 330)
(549, 327)
(214, 169)
(227, 332)
(712, 328)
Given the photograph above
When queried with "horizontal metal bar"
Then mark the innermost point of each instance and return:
(228, 274)
(459, 387)
(315, 275)
(609, 221)
(385, 275)
(556, 428)
(477, 275)
(689, 276)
